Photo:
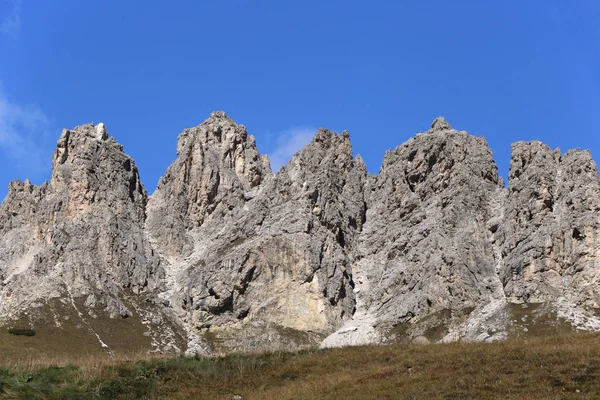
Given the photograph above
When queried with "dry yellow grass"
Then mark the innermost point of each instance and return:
(559, 367)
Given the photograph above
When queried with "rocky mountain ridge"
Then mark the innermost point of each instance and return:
(227, 256)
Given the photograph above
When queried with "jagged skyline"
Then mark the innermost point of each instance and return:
(227, 256)
(506, 71)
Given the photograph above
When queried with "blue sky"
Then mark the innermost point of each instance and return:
(383, 70)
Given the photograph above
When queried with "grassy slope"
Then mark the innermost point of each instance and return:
(62, 334)
(559, 367)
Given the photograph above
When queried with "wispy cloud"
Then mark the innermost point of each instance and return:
(287, 143)
(24, 136)
(10, 22)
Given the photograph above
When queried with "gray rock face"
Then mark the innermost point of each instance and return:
(264, 257)
(549, 235)
(425, 247)
(234, 257)
(217, 166)
(426, 236)
(426, 243)
(98, 206)
(81, 234)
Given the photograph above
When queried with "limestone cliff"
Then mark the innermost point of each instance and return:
(217, 166)
(548, 237)
(265, 260)
(79, 238)
(234, 257)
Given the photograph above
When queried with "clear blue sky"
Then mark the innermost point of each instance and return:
(383, 70)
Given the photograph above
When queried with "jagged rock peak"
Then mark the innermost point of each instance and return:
(85, 156)
(21, 186)
(440, 124)
(549, 234)
(82, 234)
(326, 148)
(328, 137)
(94, 131)
(216, 130)
(218, 167)
(230, 142)
(215, 115)
(77, 139)
(358, 160)
(228, 251)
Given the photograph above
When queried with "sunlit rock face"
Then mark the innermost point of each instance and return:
(217, 168)
(549, 234)
(256, 257)
(227, 256)
(80, 236)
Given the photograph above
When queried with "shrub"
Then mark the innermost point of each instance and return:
(21, 332)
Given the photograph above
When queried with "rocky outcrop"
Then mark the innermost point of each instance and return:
(548, 237)
(265, 258)
(234, 257)
(425, 248)
(217, 168)
(99, 207)
(426, 242)
(81, 235)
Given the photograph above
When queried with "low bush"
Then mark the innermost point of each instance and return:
(21, 332)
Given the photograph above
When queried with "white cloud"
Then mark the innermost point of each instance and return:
(24, 133)
(11, 22)
(287, 143)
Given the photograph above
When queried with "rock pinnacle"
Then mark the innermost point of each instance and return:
(440, 124)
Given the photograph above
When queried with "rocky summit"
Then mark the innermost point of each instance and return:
(227, 256)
